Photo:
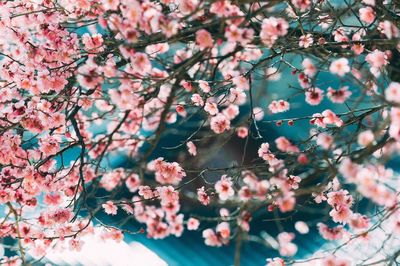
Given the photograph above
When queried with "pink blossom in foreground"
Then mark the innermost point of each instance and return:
(110, 208)
(203, 196)
(302, 227)
(273, 28)
(314, 96)
(367, 14)
(306, 41)
(219, 123)
(279, 106)
(340, 67)
(191, 148)
(204, 39)
(339, 95)
(285, 145)
(392, 93)
(365, 138)
(193, 224)
(224, 188)
(309, 68)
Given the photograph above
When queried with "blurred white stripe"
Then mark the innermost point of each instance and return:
(96, 252)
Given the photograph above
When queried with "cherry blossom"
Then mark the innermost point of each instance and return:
(220, 123)
(204, 39)
(306, 41)
(193, 224)
(340, 67)
(301, 227)
(339, 95)
(167, 173)
(279, 106)
(365, 138)
(392, 92)
(224, 188)
(367, 14)
(110, 208)
(191, 148)
(314, 96)
(309, 68)
(272, 28)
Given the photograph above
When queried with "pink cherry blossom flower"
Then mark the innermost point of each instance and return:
(389, 29)
(219, 124)
(341, 214)
(365, 138)
(286, 203)
(340, 197)
(202, 196)
(306, 40)
(191, 148)
(340, 67)
(279, 106)
(155, 49)
(286, 247)
(340, 95)
(193, 224)
(303, 5)
(265, 153)
(168, 173)
(211, 238)
(132, 182)
(394, 131)
(330, 117)
(325, 141)
(377, 59)
(302, 159)
(111, 180)
(301, 227)
(146, 192)
(234, 34)
(283, 144)
(187, 6)
(258, 113)
(327, 233)
(367, 14)
(314, 96)
(204, 39)
(110, 208)
(49, 145)
(223, 230)
(231, 111)
(197, 100)
(204, 86)
(309, 68)
(335, 261)
(395, 115)
(241, 82)
(359, 222)
(304, 80)
(275, 262)
(271, 29)
(211, 108)
(245, 193)
(392, 93)
(93, 43)
(242, 132)
(224, 188)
